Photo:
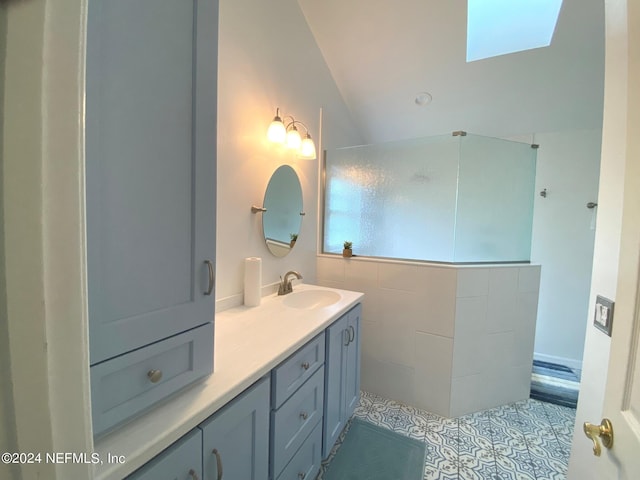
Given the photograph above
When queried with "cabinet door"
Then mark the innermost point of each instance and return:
(236, 439)
(352, 373)
(337, 338)
(150, 169)
(181, 461)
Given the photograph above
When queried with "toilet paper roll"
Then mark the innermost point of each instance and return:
(252, 281)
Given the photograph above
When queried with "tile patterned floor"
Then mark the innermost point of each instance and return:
(528, 440)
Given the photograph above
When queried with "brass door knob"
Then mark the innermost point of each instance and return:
(595, 432)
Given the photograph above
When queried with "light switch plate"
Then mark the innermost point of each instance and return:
(603, 316)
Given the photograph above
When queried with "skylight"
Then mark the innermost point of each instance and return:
(498, 27)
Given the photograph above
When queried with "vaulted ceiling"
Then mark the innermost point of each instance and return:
(382, 53)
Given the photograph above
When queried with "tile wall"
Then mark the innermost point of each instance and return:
(448, 339)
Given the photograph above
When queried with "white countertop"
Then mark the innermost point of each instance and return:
(249, 342)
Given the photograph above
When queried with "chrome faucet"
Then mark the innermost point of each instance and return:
(285, 284)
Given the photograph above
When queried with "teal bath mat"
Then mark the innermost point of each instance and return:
(369, 452)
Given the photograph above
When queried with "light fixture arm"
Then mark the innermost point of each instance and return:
(294, 121)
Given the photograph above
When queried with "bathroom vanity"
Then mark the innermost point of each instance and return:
(286, 382)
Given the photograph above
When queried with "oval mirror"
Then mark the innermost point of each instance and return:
(283, 218)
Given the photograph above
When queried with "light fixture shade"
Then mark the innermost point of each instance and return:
(277, 132)
(293, 138)
(308, 148)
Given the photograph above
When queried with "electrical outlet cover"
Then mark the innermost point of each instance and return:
(603, 316)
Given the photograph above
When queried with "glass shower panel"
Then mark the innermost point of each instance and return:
(495, 200)
(394, 200)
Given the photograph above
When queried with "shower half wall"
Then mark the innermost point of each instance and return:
(441, 230)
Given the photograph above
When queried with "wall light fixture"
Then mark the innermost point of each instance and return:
(287, 133)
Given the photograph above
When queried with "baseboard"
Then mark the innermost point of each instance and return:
(568, 362)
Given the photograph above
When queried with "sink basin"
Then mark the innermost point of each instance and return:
(310, 299)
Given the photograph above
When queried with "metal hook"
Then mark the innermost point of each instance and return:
(543, 193)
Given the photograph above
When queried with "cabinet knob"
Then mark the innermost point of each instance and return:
(304, 415)
(305, 365)
(154, 375)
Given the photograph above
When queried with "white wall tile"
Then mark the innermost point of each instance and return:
(467, 395)
(519, 380)
(502, 313)
(523, 345)
(527, 308)
(330, 269)
(437, 290)
(529, 279)
(471, 316)
(396, 341)
(369, 338)
(434, 355)
(388, 380)
(473, 282)
(503, 281)
(361, 275)
(397, 276)
(501, 350)
(469, 355)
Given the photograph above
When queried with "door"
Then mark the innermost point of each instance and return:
(150, 170)
(235, 440)
(352, 386)
(181, 461)
(622, 397)
(337, 337)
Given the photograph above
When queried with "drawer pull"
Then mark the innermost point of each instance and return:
(302, 475)
(304, 415)
(193, 474)
(211, 277)
(218, 462)
(154, 375)
(305, 365)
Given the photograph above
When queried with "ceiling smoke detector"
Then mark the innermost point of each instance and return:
(423, 98)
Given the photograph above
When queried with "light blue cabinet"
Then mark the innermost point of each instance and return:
(150, 125)
(281, 427)
(150, 170)
(236, 439)
(342, 381)
(180, 461)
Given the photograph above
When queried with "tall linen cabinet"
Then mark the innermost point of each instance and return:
(151, 87)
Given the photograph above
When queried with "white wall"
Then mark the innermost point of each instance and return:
(582, 463)
(268, 58)
(44, 232)
(7, 425)
(562, 241)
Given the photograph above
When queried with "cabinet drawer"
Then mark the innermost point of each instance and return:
(305, 464)
(294, 420)
(182, 460)
(123, 386)
(294, 371)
